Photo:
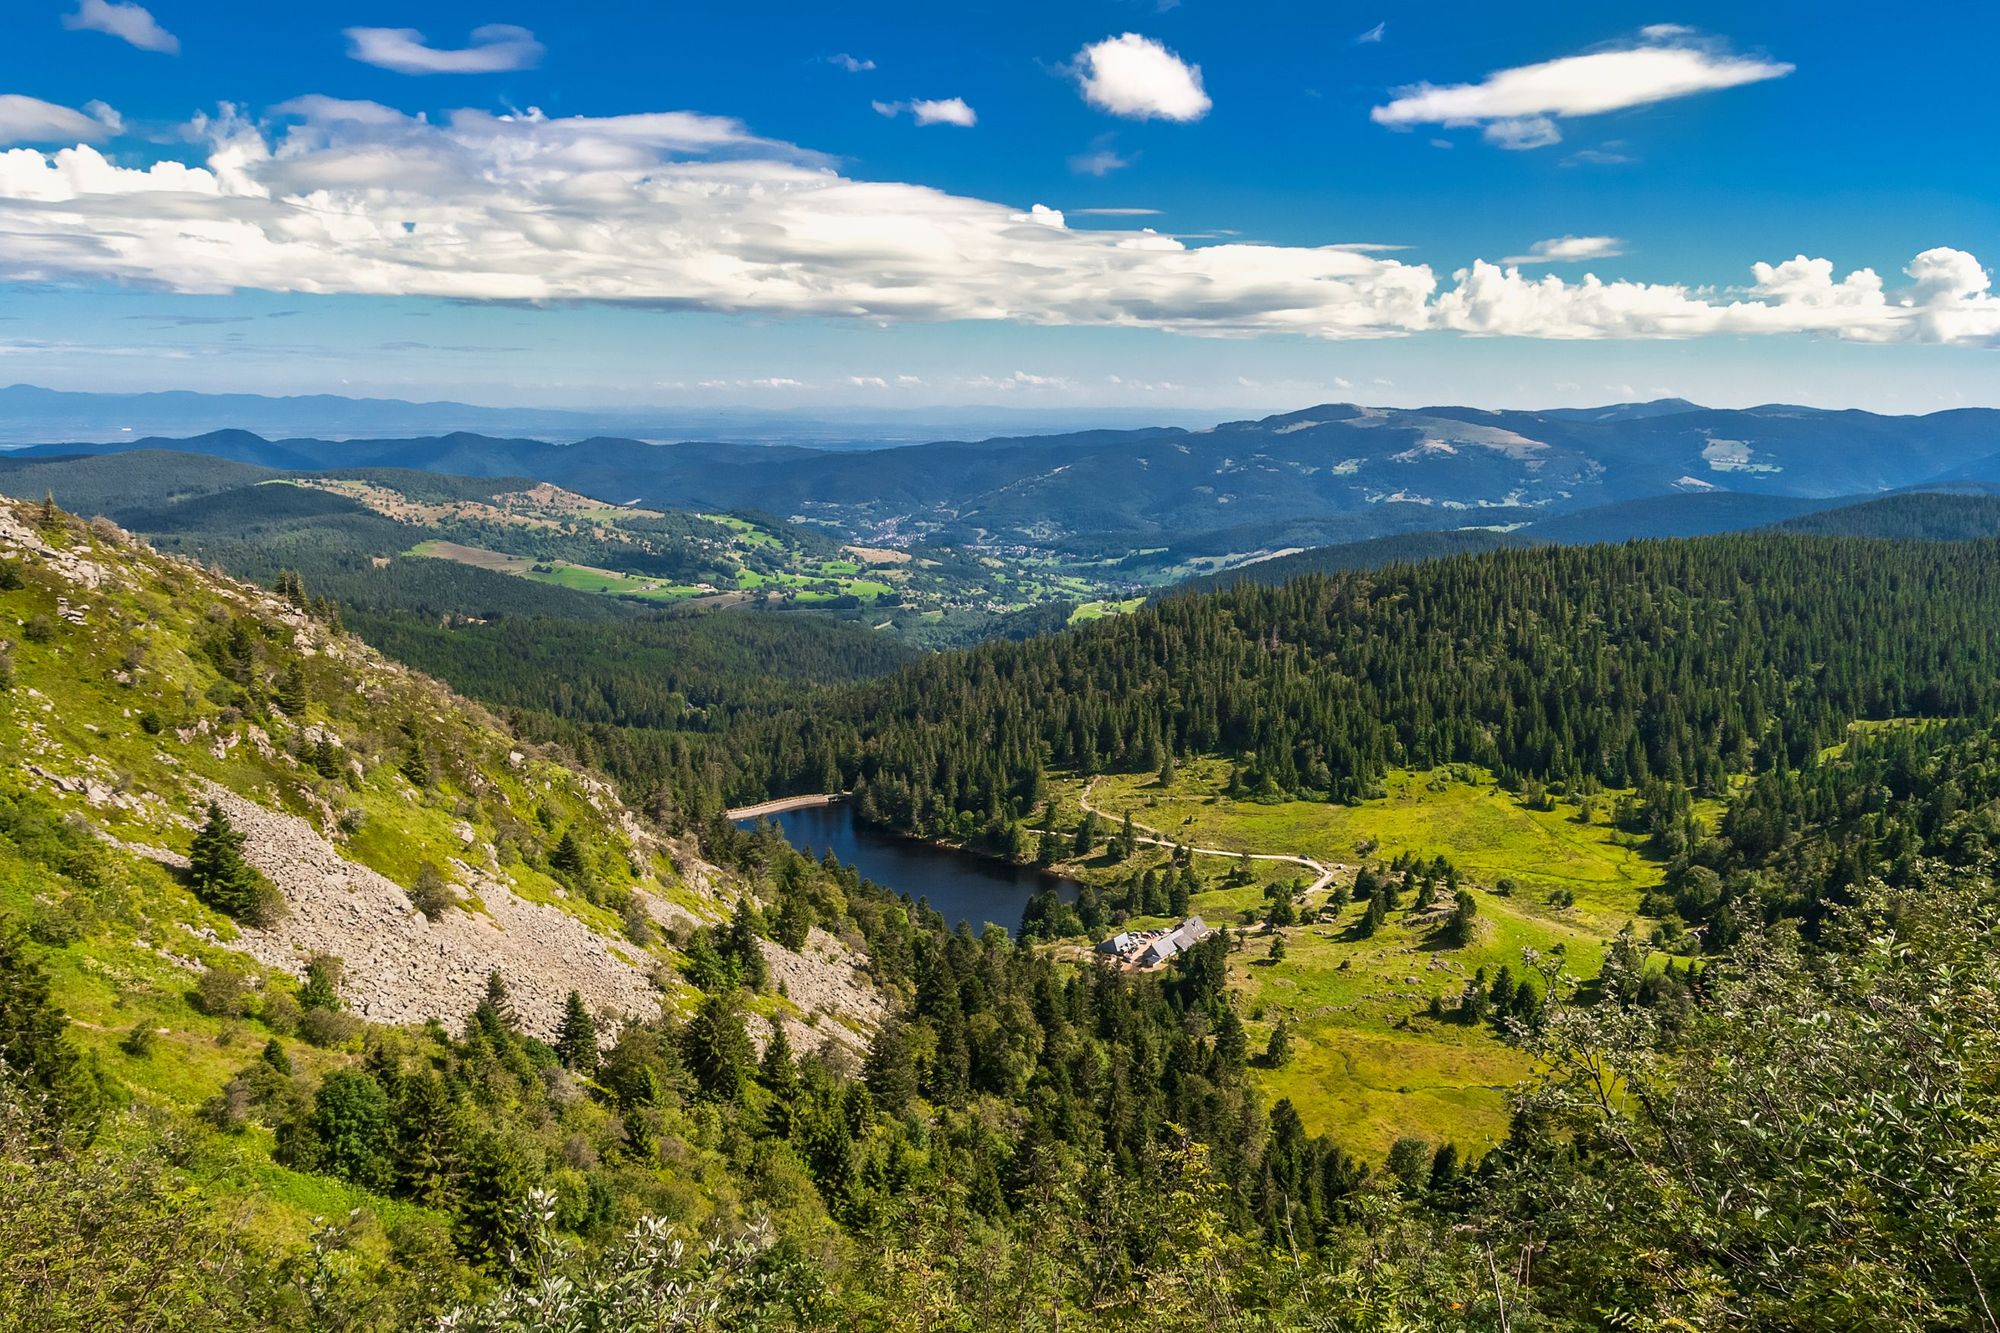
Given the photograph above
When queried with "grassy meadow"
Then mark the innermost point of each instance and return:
(1369, 1064)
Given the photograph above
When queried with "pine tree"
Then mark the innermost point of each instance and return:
(777, 1071)
(34, 1041)
(350, 1126)
(494, 1014)
(416, 765)
(292, 693)
(1278, 1051)
(219, 874)
(891, 1073)
(744, 949)
(576, 1043)
(322, 988)
(50, 516)
(428, 1132)
(716, 1047)
(1458, 930)
(566, 861)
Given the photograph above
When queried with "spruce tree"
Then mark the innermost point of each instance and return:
(322, 987)
(716, 1047)
(34, 1042)
(1458, 930)
(566, 861)
(428, 1132)
(292, 692)
(777, 1071)
(1278, 1051)
(494, 1014)
(218, 873)
(576, 1043)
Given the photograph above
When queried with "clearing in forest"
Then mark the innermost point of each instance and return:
(1369, 1062)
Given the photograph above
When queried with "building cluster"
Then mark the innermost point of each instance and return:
(1150, 948)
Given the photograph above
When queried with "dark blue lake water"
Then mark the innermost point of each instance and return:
(960, 886)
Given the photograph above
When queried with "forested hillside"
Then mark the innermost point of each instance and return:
(1673, 662)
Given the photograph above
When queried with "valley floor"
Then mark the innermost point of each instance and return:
(1370, 1065)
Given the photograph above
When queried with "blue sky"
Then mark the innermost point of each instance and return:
(825, 227)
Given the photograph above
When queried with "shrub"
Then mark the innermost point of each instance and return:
(39, 628)
(223, 992)
(138, 1043)
(280, 1011)
(328, 1028)
(432, 894)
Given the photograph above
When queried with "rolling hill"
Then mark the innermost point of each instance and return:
(1450, 466)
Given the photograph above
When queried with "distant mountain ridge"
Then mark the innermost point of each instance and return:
(1437, 467)
(30, 414)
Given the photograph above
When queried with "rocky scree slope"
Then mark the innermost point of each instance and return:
(136, 689)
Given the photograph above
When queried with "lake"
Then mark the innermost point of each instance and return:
(958, 885)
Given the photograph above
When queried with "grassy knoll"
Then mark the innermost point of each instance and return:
(1370, 1064)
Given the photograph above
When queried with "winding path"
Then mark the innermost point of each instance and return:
(1157, 839)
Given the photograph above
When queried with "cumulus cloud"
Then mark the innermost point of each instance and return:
(852, 64)
(1518, 108)
(1569, 250)
(1949, 300)
(127, 22)
(1136, 77)
(495, 48)
(31, 120)
(943, 111)
(677, 210)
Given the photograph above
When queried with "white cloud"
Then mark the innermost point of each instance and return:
(31, 120)
(1140, 79)
(682, 211)
(1372, 36)
(1569, 250)
(852, 64)
(1522, 132)
(1949, 300)
(495, 48)
(1611, 155)
(1099, 162)
(1019, 380)
(127, 22)
(1518, 107)
(943, 111)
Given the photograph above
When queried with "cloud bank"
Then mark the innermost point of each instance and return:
(677, 210)
(1518, 108)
